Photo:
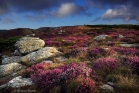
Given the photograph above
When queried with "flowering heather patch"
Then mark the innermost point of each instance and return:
(50, 78)
(68, 40)
(106, 64)
(127, 51)
(87, 86)
(75, 52)
(126, 39)
(96, 52)
(133, 62)
(38, 67)
(110, 43)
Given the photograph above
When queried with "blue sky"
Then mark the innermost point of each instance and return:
(52, 13)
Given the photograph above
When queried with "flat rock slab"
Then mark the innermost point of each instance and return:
(14, 59)
(29, 44)
(17, 82)
(10, 69)
(129, 45)
(41, 54)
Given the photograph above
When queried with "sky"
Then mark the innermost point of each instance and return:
(53, 13)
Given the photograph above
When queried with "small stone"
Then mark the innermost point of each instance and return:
(100, 37)
(110, 83)
(106, 87)
(120, 36)
(61, 59)
(47, 61)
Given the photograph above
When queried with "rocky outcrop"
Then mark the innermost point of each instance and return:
(17, 82)
(29, 44)
(100, 37)
(8, 60)
(10, 69)
(41, 54)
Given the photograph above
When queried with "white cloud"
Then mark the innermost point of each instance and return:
(121, 12)
(65, 9)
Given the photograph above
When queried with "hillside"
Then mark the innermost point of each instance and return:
(71, 59)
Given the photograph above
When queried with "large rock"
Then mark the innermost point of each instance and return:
(9, 69)
(14, 59)
(29, 44)
(100, 37)
(17, 82)
(8, 77)
(41, 54)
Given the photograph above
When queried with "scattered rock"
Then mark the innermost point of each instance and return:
(107, 88)
(100, 37)
(17, 82)
(32, 35)
(110, 83)
(41, 54)
(47, 61)
(29, 44)
(14, 59)
(129, 45)
(9, 69)
(61, 59)
(120, 36)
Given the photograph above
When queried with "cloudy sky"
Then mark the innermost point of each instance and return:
(51, 13)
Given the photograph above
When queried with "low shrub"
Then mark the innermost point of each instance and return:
(127, 51)
(75, 52)
(96, 52)
(106, 64)
(133, 62)
(73, 59)
(127, 84)
(38, 67)
(86, 86)
(59, 75)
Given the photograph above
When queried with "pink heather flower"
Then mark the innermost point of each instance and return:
(106, 64)
(127, 51)
(87, 86)
(96, 52)
(133, 62)
(49, 78)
